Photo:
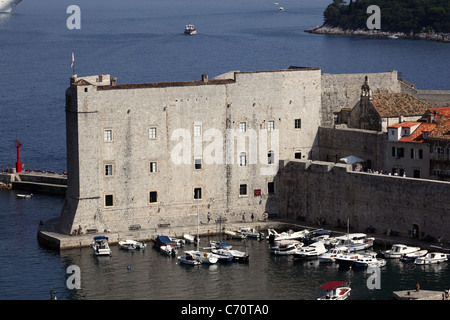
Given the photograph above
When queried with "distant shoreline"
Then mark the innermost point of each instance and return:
(439, 37)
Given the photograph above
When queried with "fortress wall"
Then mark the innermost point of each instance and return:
(334, 192)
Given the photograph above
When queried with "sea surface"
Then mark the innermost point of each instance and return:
(142, 41)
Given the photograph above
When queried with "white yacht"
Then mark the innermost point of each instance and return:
(355, 241)
(331, 255)
(431, 258)
(311, 251)
(7, 5)
(398, 250)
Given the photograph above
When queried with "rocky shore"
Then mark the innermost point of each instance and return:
(441, 37)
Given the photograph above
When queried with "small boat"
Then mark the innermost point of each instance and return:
(273, 235)
(310, 252)
(189, 238)
(336, 290)
(355, 241)
(190, 29)
(251, 233)
(286, 247)
(431, 258)
(347, 258)
(410, 257)
(189, 260)
(234, 235)
(179, 242)
(131, 245)
(331, 255)
(163, 241)
(100, 246)
(236, 254)
(24, 196)
(393, 36)
(203, 257)
(398, 250)
(320, 235)
(281, 9)
(168, 250)
(219, 244)
(369, 259)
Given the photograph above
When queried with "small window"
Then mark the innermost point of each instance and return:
(108, 135)
(271, 125)
(153, 166)
(197, 193)
(270, 187)
(242, 159)
(197, 130)
(271, 157)
(197, 164)
(243, 190)
(297, 155)
(109, 200)
(108, 170)
(153, 198)
(243, 127)
(298, 123)
(416, 173)
(152, 133)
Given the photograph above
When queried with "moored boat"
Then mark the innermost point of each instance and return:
(431, 258)
(163, 241)
(131, 245)
(100, 246)
(355, 241)
(411, 257)
(273, 235)
(331, 255)
(369, 260)
(310, 252)
(251, 233)
(168, 250)
(189, 260)
(286, 247)
(398, 250)
(203, 257)
(335, 290)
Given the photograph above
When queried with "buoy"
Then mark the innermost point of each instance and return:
(129, 268)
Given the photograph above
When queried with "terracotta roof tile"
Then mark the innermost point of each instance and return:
(417, 135)
(398, 104)
(442, 130)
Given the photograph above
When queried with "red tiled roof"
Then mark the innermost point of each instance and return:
(406, 124)
(398, 104)
(444, 111)
(442, 130)
(417, 135)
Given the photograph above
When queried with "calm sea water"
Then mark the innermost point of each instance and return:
(143, 41)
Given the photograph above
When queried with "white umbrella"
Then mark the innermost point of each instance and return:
(352, 160)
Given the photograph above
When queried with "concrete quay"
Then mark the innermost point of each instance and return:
(50, 183)
(419, 295)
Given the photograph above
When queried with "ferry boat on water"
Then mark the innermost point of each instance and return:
(6, 6)
(190, 29)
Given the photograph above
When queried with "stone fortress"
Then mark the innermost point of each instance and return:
(240, 144)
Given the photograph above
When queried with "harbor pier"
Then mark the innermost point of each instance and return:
(51, 183)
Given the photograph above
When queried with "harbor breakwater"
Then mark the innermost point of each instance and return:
(337, 31)
(50, 183)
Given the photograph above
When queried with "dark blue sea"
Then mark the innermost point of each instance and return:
(143, 41)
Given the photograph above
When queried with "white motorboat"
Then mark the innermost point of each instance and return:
(251, 233)
(100, 246)
(234, 235)
(331, 255)
(335, 290)
(179, 242)
(204, 257)
(6, 6)
(309, 252)
(190, 29)
(347, 258)
(273, 235)
(369, 259)
(355, 241)
(398, 250)
(431, 258)
(24, 196)
(189, 238)
(189, 260)
(131, 245)
(219, 244)
(168, 250)
(410, 257)
(237, 255)
(286, 247)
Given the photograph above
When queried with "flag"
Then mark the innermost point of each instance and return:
(73, 60)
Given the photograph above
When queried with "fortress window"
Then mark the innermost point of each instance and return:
(297, 155)
(197, 130)
(153, 197)
(242, 159)
(197, 164)
(197, 193)
(271, 125)
(109, 200)
(108, 170)
(298, 123)
(108, 135)
(153, 166)
(152, 133)
(271, 187)
(243, 127)
(271, 157)
(243, 190)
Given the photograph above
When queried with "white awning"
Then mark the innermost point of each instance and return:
(351, 160)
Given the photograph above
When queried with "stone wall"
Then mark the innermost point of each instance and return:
(314, 189)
